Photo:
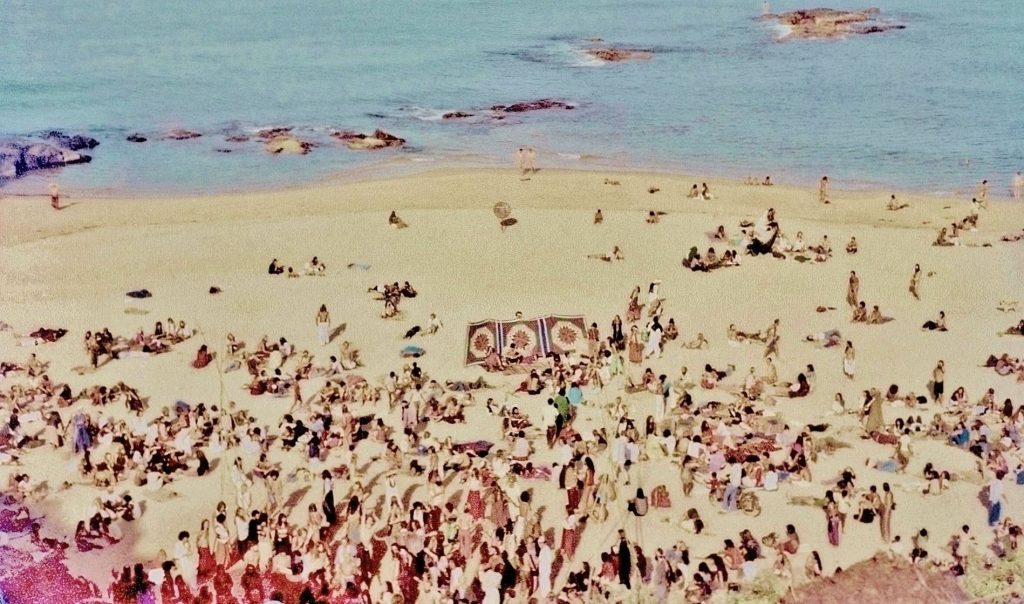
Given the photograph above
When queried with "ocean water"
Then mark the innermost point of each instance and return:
(934, 107)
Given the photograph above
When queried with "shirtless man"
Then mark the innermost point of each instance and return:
(853, 289)
(915, 282)
(823, 190)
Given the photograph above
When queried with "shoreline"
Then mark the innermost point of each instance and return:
(402, 167)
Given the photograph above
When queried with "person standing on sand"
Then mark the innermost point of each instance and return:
(915, 282)
(54, 197)
(885, 509)
(853, 289)
(521, 160)
(1018, 185)
(323, 325)
(983, 194)
(938, 382)
(531, 159)
(995, 498)
(823, 190)
(849, 360)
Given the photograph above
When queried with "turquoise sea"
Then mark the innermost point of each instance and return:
(935, 107)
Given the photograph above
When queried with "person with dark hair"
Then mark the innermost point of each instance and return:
(625, 560)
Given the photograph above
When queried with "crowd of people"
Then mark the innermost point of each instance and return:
(363, 493)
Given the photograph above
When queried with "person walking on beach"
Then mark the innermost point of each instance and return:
(323, 325)
(853, 289)
(823, 190)
(849, 360)
(54, 197)
(521, 160)
(888, 504)
(531, 159)
(915, 282)
(995, 498)
(983, 194)
(1018, 185)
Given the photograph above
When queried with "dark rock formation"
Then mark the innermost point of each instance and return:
(180, 134)
(368, 142)
(271, 133)
(136, 138)
(20, 157)
(537, 105)
(74, 142)
(237, 138)
(454, 115)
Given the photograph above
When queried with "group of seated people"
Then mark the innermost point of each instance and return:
(875, 317)
(753, 180)
(313, 268)
(710, 261)
(702, 193)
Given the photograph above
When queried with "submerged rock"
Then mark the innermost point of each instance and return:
(237, 138)
(616, 55)
(368, 142)
(272, 133)
(455, 115)
(136, 138)
(538, 105)
(827, 23)
(181, 134)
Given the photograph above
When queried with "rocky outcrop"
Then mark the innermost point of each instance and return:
(237, 138)
(538, 105)
(617, 55)
(74, 142)
(368, 142)
(287, 145)
(456, 115)
(20, 157)
(272, 133)
(827, 23)
(136, 138)
(181, 134)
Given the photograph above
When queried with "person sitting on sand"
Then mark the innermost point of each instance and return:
(203, 357)
(936, 325)
(875, 317)
(767, 181)
(860, 314)
(942, 239)
(800, 388)
(598, 217)
(395, 221)
(719, 234)
(705, 193)
(653, 217)
(694, 192)
(851, 247)
(275, 268)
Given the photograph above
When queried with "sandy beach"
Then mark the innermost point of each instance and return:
(71, 269)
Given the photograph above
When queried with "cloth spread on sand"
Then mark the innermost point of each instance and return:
(479, 448)
(529, 339)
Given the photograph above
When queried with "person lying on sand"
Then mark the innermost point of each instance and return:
(616, 255)
(936, 325)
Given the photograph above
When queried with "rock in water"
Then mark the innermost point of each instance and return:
(537, 105)
(19, 157)
(136, 138)
(368, 142)
(180, 134)
(828, 23)
(73, 142)
(617, 55)
(287, 145)
(454, 115)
